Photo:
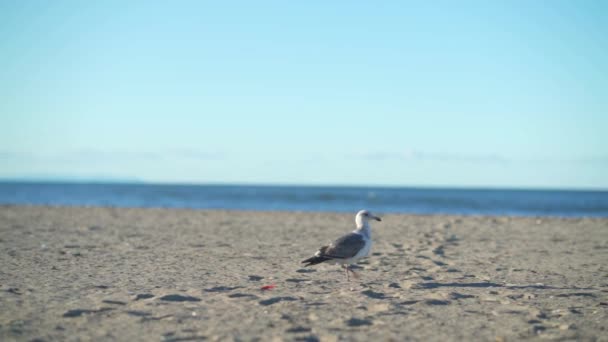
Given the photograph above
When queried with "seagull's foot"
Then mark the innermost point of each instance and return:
(355, 274)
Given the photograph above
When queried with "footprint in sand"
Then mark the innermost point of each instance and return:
(456, 296)
(80, 312)
(137, 313)
(275, 300)
(439, 250)
(374, 295)
(306, 270)
(358, 322)
(243, 295)
(577, 294)
(179, 298)
(409, 302)
(299, 329)
(439, 263)
(222, 288)
(144, 296)
(436, 302)
(185, 338)
(297, 280)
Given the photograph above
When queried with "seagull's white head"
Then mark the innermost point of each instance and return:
(363, 217)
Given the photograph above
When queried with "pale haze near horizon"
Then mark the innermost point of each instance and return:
(481, 94)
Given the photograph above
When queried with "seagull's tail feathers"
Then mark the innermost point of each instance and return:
(317, 259)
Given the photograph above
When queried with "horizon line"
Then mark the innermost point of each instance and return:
(135, 181)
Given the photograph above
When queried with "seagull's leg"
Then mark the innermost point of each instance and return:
(346, 270)
(353, 272)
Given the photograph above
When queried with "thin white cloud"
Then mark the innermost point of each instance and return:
(419, 155)
(456, 157)
(107, 156)
(583, 160)
(197, 154)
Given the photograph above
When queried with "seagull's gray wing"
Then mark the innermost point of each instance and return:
(345, 247)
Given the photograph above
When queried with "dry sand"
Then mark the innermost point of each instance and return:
(173, 275)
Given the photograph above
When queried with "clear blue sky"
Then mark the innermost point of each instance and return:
(442, 93)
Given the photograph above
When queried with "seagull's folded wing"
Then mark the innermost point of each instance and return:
(345, 247)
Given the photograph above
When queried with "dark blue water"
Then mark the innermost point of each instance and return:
(303, 198)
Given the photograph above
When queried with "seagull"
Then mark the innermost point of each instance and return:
(349, 248)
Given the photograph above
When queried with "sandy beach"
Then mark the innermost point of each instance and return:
(77, 274)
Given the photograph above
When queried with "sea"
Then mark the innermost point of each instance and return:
(408, 200)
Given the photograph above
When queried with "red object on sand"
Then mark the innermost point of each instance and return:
(268, 287)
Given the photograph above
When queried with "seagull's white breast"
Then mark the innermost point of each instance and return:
(365, 250)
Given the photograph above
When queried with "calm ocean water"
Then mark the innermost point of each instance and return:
(304, 198)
